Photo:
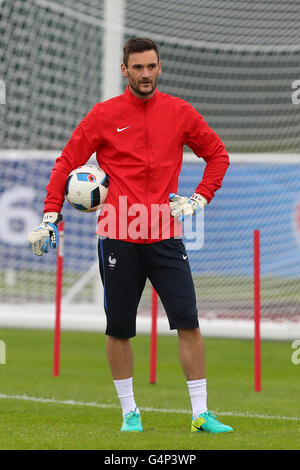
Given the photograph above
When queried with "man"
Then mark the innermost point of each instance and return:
(138, 138)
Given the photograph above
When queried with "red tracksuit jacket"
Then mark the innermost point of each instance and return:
(139, 144)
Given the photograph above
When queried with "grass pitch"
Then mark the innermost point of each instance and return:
(36, 411)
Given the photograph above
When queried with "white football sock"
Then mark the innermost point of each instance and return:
(198, 395)
(125, 393)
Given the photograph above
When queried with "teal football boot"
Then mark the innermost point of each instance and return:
(208, 422)
(132, 422)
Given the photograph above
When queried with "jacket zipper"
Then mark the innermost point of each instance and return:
(148, 162)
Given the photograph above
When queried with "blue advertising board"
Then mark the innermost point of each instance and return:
(253, 196)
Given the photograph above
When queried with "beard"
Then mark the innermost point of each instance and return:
(137, 86)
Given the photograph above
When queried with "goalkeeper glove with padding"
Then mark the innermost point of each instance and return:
(45, 234)
(182, 206)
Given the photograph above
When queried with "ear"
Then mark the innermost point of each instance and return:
(159, 68)
(124, 70)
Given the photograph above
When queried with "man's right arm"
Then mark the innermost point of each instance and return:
(85, 140)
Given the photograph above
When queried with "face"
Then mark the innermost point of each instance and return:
(142, 73)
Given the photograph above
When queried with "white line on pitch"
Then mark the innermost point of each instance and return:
(154, 410)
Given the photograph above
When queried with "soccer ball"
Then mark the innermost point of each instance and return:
(86, 188)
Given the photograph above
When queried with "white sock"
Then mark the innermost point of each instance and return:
(125, 393)
(198, 395)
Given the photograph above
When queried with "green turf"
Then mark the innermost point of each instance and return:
(85, 377)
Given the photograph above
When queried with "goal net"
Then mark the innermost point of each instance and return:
(238, 65)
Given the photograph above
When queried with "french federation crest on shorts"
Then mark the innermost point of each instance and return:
(112, 261)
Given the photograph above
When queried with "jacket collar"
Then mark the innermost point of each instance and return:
(138, 101)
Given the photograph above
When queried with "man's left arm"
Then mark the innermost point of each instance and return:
(206, 144)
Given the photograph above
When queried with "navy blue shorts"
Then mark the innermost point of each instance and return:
(124, 269)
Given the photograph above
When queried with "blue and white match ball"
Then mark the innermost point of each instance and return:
(86, 188)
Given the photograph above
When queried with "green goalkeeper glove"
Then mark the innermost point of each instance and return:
(182, 206)
(45, 234)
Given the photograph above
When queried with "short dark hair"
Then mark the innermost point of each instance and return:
(138, 45)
